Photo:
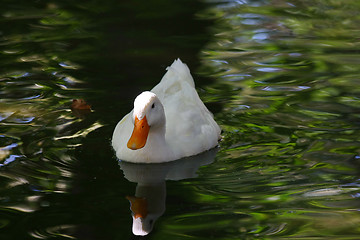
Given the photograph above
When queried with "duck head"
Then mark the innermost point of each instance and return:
(148, 114)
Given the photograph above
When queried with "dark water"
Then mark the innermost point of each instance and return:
(282, 79)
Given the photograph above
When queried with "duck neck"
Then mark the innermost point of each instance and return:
(157, 135)
(159, 149)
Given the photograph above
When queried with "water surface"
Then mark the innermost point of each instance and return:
(280, 77)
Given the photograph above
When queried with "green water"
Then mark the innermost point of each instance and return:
(282, 79)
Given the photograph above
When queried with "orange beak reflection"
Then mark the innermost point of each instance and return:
(139, 135)
(138, 206)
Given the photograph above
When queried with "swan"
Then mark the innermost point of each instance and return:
(167, 123)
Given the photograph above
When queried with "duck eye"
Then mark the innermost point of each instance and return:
(153, 105)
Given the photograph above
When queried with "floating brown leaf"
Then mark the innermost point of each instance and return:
(80, 108)
(80, 104)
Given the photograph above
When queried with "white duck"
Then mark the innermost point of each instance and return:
(168, 123)
(149, 202)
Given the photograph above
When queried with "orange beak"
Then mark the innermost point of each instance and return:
(138, 206)
(139, 135)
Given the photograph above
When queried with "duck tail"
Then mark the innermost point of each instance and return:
(183, 70)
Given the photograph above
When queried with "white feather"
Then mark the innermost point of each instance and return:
(190, 128)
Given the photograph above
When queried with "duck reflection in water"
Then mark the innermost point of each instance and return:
(148, 204)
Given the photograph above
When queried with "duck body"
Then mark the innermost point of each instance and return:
(177, 121)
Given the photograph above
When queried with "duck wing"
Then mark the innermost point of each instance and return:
(190, 127)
